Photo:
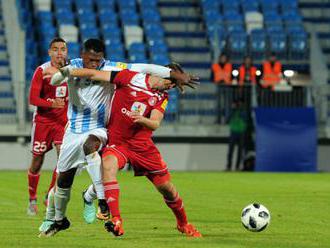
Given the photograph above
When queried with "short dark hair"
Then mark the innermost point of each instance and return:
(94, 44)
(56, 39)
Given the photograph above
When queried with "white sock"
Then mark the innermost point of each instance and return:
(90, 194)
(61, 199)
(94, 162)
(50, 211)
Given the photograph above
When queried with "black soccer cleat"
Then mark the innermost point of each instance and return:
(57, 226)
(103, 212)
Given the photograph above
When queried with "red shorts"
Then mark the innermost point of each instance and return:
(44, 135)
(149, 162)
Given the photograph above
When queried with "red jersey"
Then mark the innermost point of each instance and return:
(41, 94)
(133, 93)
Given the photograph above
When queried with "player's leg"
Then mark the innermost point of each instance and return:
(172, 199)
(61, 200)
(33, 180)
(54, 176)
(41, 140)
(94, 161)
(89, 195)
(113, 160)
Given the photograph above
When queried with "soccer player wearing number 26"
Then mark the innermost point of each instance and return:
(49, 118)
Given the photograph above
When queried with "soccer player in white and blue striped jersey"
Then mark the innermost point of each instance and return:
(88, 114)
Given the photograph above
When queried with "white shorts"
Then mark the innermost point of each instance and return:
(72, 154)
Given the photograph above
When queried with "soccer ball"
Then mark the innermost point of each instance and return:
(255, 217)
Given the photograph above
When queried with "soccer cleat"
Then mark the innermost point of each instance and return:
(56, 227)
(45, 225)
(189, 230)
(89, 211)
(115, 226)
(32, 209)
(103, 210)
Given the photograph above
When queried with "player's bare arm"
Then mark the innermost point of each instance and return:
(152, 123)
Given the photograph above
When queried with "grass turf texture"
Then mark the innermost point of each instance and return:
(299, 206)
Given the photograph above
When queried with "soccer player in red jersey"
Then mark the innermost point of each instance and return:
(49, 118)
(137, 110)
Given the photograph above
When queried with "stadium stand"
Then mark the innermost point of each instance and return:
(7, 102)
(189, 32)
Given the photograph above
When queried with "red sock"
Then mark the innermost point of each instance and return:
(33, 180)
(111, 191)
(178, 209)
(52, 183)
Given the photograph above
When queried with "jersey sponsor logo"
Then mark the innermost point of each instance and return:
(136, 107)
(60, 91)
(139, 107)
(152, 101)
(121, 65)
(164, 104)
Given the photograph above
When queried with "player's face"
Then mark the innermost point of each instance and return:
(91, 59)
(58, 53)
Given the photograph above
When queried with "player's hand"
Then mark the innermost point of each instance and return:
(49, 72)
(137, 117)
(181, 78)
(58, 103)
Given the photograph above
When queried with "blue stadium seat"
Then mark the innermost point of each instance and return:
(258, 44)
(73, 50)
(233, 17)
(267, 5)
(105, 4)
(65, 16)
(288, 5)
(154, 31)
(86, 17)
(88, 32)
(111, 31)
(160, 59)
(250, 5)
(137, 48)
(148, 4)
(238, 45)
(278, 44)
(84, 4)
(45, 16)
(87, 25)
(150, 16)
(129, 17)
(127, 4)
(62, 4)
(210, 4)
(232, 5)
(159, 48)
(138, 58)
(108, 17)
(292, 18)
(298, 45)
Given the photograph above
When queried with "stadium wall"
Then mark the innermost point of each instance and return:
(179, 156)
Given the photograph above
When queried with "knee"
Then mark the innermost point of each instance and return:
(91, 145)
(167, 190)
(110, 167)
(65, 179)
(36, 164)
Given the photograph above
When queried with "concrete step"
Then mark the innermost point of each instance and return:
(321, 27)
(4, 70)
(202, 73)
(312, 13)
(183, 27)
(191, 57)
(179, 11)
(180, 42)
(3, 55)
(8, 118)
(325, 42)
(5, 86)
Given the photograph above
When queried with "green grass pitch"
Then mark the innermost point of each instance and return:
(299, 206)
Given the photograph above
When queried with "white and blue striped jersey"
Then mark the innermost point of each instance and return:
(89, 101)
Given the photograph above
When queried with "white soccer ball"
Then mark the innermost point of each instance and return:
(255, 217)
